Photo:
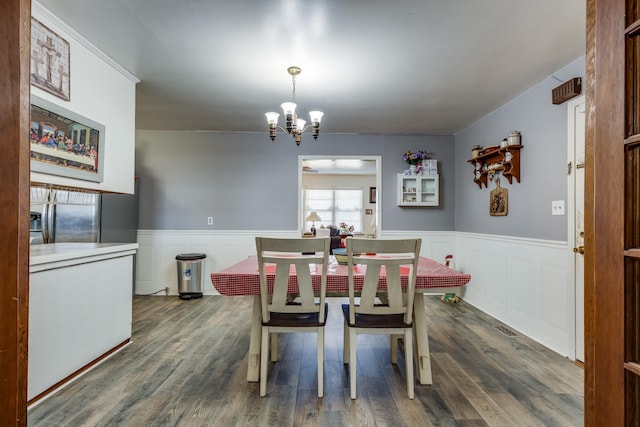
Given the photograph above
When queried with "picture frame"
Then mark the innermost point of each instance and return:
(499, 200)
(50, 61)
(65, 143)
(372, 194)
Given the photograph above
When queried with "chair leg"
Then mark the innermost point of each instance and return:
(345, 344)
(264, 350)
(408, 357)
(274, 347)
(320, 362)
(393, 343)
(352, 362)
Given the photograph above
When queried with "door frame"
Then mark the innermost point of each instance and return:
(570, 211)
(14, 244)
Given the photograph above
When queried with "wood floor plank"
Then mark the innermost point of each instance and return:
(479, 399)
(452, 395)
(187, 360)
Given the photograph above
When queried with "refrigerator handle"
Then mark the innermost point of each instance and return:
(47, 222)
(45, 225)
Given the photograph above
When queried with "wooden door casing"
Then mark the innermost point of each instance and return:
(611, 392)
(15, 25)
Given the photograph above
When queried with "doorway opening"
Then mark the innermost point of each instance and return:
(342, 174)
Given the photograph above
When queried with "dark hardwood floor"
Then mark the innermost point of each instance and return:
(187, 363)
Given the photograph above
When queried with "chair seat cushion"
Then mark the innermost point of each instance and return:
(297, 319)
(375, 320)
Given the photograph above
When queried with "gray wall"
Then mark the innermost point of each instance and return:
(246, 182)
(543, 126)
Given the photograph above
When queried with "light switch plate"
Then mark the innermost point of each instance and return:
(557, 207)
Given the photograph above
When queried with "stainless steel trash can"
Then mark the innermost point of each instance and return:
(190, 271)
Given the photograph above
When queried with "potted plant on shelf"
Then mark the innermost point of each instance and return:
(415, 159)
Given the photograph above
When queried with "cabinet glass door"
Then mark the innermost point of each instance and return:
(428, 191)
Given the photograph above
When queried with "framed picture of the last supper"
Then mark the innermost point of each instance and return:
(65, 143)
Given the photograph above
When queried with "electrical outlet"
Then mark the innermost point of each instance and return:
(209, 220)
(557, 207)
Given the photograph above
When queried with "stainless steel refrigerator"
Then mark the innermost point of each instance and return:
(59, 216)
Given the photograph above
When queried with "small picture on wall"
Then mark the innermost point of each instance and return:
(498, 200)
(49, 61)
(372, 194)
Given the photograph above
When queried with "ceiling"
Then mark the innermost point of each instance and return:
(372, 66)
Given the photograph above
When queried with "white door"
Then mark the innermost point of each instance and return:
(576, 169)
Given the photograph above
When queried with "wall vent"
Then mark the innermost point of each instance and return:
(506, 331)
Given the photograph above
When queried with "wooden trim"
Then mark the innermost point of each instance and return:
(632, 140)
(632, 253)
(633, 29)
(633, 367)
(79, 372)
(15, 38)
(589, 87)
(604, 207)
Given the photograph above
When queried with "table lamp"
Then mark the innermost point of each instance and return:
(313, 217)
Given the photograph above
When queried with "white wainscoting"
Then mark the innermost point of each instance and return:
(523, 283)
(156, 266)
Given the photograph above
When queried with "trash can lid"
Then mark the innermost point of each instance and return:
(189, 257)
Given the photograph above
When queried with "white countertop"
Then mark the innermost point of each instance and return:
(76, 252)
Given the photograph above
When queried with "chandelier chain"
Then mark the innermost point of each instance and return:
(293, 92)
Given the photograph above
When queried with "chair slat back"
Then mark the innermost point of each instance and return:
(395, 258)
(300, 257)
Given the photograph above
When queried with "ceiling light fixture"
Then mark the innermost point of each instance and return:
(295, 126)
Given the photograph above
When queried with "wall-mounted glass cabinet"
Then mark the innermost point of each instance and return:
(418, 190)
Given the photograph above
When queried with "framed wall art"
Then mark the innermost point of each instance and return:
(50, 64)
(65, 143)
(372, 194)
(499, 200)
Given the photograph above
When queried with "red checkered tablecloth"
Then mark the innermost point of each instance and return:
(243, 278)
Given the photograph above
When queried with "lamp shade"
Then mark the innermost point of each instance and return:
(288, 107)
(313, 216)
(272, 118)
(316, 116)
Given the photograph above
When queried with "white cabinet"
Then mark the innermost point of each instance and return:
(418, 190)
(79, 309)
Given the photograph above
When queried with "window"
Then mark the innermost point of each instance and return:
(334, 205)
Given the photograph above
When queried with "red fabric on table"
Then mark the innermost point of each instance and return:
(243, 278)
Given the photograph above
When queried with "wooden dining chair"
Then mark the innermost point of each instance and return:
(393, 259)
(279, 261)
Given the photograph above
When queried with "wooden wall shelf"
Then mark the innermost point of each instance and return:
(497, 161)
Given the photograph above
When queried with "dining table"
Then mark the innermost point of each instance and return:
(243, 279)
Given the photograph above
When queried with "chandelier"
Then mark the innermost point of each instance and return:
(294, 125)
